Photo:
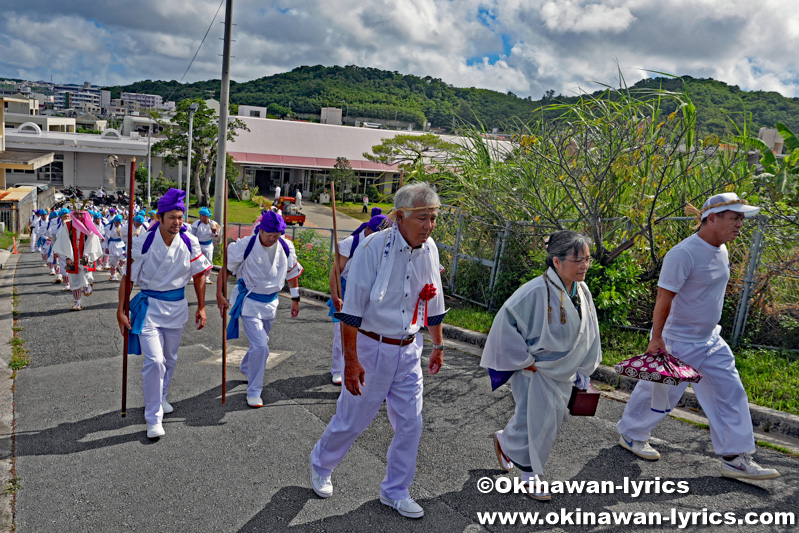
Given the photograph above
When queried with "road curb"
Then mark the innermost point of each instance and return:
(7, 273)
(763, 418)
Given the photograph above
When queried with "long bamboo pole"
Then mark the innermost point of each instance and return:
(126, 281)
(223, 279)
(336, 268)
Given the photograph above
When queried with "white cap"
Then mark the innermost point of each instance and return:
(723, 198)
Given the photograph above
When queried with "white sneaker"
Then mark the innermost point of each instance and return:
(154, 431)
(321, 485)
(255, 401)
(504, 461)
(744, 467)
(641, 448)
(52, 271)
(336, 379)
(405, 507)
(167, 407)
(534, 490)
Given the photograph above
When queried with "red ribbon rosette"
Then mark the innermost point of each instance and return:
(427, 293)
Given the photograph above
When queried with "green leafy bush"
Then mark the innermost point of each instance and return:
(616, 289)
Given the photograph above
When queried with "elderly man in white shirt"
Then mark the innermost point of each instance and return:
(162, 261)
(394, 289)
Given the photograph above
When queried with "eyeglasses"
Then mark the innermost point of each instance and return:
(578, 260)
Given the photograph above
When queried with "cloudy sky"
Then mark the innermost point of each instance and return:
(523, 46)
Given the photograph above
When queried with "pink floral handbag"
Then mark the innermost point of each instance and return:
(659, 368)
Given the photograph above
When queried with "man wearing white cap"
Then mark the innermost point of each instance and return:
(688, 307)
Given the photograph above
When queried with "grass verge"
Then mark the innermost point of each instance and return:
(6, 240)
(354, 209)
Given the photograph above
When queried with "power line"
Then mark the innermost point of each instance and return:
(197, 52)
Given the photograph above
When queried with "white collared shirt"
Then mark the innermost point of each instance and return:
(411, 271)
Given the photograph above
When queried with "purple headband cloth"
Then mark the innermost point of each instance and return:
(271, 222)
(171, 200)
(376, 211)
(376, 223)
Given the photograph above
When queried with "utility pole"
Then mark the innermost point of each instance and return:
(220, 189)
(149, 161)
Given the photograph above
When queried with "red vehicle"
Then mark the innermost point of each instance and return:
(288, 208)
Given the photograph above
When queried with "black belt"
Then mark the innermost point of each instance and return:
(388, 340)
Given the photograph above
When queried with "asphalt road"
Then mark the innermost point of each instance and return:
(221, 468)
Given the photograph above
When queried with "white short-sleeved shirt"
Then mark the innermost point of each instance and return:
(264, 271)
(698, 272)
(165, 268)
(345, 249)
(411, 271)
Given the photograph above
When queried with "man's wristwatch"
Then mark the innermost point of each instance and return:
(438, 346)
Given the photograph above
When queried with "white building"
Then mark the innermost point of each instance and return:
(145, 100)
(66, 96)
(78, 159)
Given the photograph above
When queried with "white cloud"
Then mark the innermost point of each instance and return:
(567, 16)
(523, 46)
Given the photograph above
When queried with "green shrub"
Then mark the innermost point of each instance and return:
(314, 256)
(616, 289)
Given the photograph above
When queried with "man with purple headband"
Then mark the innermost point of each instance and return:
(263, 263)
(162, 262)
(346, 249)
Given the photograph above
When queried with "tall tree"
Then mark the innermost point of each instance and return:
(343, 175)
(205, 136)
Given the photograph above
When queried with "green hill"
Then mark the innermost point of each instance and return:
(380, 94)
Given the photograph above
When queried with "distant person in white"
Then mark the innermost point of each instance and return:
(277, 192)
(394, 289)
(207, 232)
(688, 307)
(298, 198)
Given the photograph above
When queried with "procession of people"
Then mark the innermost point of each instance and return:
(385, 287)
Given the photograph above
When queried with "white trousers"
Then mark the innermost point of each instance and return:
(393, 374)
(254, 363)
(338, 354)
(159, 346)
(208, 252)
(720, 394)
(114, 260)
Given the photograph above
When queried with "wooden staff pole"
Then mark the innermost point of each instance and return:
(336, 268)
(126, 281)
(223, 280)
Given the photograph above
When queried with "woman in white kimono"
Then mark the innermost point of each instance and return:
(544, 339)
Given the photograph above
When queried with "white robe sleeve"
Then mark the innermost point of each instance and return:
(235, 254)
(62, 245)
(199, 264)
(294, 267)
(516, 327)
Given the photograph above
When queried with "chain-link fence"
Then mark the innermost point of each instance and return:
(486, 263)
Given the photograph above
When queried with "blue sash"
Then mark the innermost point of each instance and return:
(206, 243)
(332, 307)
(138, 310)
(235, 311)
(114, 240)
